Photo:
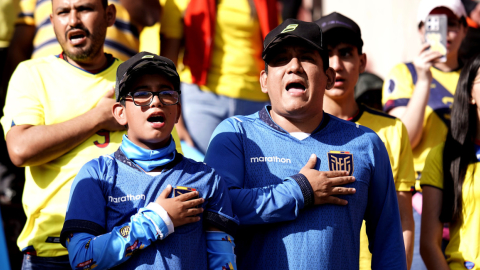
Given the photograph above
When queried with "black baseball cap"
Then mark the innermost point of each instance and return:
(292, 28)
(138, 64)
(336, 22)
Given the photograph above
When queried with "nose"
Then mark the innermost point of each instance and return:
(156, 101)
(335, 63)
(74, 19)
(294, 66)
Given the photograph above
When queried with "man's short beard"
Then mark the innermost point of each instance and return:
(86, 53)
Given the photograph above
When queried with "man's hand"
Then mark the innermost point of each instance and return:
(326, 184)
(181, 208)
(424, 61)
(103, 111)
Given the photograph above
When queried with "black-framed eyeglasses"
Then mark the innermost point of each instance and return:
(145, 98)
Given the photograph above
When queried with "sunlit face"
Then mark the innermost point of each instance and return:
(296, 81)
(347, 64)
(149, 126)
(81, 26)
(456, 32)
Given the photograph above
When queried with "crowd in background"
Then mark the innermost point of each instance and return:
(217, 47)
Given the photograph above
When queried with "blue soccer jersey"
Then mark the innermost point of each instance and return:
(281, 229)
(109, 199)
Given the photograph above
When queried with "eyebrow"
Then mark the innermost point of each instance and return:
(161, 86)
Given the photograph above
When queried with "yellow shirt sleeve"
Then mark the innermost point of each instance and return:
(432, 174)
(22, 105)
(405, 173)
(171, 23)
(26, 12)
(398, 85)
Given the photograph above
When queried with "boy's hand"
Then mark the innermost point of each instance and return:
(180, 209)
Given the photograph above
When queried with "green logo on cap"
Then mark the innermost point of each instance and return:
(147, 56)
(289, 28)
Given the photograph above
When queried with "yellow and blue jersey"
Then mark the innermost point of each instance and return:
(260, 162)
(47, 91)
(462, 252)
(122, 40)
(394, 135)
(397, 91)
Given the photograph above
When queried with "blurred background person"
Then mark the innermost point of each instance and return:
(222, 60)
(450, 182)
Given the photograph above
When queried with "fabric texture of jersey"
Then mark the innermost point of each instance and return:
(397, 91)
(122, 38)
(236, 57)
(395, 137)
(111, 189)
(48, 91)
(463, 248)
(281, 229)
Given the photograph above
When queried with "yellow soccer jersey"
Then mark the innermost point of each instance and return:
(122, 40)
(463, 248)
(394, 135)
(237, 52)
(47, 91)
(398, 89)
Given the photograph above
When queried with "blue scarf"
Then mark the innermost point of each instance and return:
(148, 159)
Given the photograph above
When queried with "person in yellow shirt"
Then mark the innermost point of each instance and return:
(222, 60)
(57, 117)
(451, 182)
(344, 42)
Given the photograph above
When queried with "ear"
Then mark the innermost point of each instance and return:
(330, 78)
(119, 113)
(51, 18)
(263, 81)
(421, 32)
(111, 13)
(363, 62)
(179, 111)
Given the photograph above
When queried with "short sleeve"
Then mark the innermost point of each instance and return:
(403, 170)
(432, 174)
(23, 105)
(172, 18)
(26, 12)
(397, 88)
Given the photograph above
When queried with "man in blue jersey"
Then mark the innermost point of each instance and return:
(262, 157)
(117, 212)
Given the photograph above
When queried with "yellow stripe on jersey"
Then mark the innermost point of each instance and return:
(48, 91)
(394, 135)
(122, 40)
(398, 89)
(464, 244)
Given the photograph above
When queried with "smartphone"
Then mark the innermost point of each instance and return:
(436, 34)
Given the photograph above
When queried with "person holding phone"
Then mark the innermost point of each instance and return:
(420, 93)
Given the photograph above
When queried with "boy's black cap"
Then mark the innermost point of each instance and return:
(145, 60)
(337, 21)
(307, 31)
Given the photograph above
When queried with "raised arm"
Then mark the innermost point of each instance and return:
(30, 145)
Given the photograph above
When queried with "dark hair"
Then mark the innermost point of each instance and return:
(459, 150)
(337, 36)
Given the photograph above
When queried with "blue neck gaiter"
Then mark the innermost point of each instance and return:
(148, 159)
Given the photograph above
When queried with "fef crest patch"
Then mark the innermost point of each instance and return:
(177, 191)
(340, 161)
(290, 28)
(125, 231)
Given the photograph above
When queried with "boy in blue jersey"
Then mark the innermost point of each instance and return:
(262, 157)
(118, 214)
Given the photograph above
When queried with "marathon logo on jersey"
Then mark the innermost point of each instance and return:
(125, 231)
(87, 265)
(136, 245)
(340, 161)
(228, 266)
(270, 159)
(126, 198)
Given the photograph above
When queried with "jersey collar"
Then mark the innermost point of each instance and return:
(264, 115)
(120, 156)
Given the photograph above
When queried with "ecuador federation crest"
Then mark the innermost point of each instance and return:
(340, 161)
